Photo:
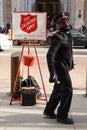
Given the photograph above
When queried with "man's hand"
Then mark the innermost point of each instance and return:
(53, 78)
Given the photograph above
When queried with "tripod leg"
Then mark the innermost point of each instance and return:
(40, 72)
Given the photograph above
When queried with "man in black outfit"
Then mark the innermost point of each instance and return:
(60, 62)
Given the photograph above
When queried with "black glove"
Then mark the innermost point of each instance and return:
(53, 78)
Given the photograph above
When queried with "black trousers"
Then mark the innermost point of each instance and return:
(61, 96)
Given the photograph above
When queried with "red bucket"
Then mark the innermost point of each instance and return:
(29, 60)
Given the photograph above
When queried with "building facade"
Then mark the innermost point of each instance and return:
(76, 8)
(85, 13)
(1, 13)
(79, 15)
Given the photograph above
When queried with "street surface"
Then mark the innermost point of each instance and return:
(78, 74)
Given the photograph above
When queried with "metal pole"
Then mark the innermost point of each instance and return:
(86, 84)
(14, 65)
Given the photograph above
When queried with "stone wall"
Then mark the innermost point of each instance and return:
(8, 11)
(85, 12)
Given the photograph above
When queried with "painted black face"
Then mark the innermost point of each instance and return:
(65, 25)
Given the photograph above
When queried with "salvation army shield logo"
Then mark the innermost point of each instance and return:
(28, 23)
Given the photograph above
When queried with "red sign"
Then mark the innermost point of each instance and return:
(28, 23)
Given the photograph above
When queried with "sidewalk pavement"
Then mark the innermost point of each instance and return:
(15, 116)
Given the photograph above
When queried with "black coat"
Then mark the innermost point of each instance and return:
(60, 52)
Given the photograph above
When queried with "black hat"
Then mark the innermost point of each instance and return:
(61, 17)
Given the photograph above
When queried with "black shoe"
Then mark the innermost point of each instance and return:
(65, 120)
(50, 115)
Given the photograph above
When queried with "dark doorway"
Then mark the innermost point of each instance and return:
(49, 6)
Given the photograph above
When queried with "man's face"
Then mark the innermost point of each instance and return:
(65, 24)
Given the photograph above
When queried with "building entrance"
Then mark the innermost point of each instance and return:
(49, 6)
